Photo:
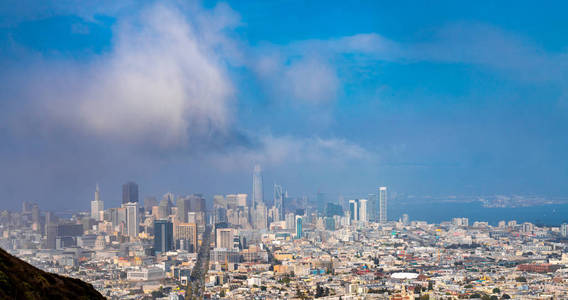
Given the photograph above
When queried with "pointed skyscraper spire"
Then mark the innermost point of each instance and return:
(97, 193)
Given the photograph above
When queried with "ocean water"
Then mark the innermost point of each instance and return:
(551, 215)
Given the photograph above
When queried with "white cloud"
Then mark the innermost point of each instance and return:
(160, 84)
(279, 150)
(310, 80)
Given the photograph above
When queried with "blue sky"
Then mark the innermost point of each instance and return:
(430, 98)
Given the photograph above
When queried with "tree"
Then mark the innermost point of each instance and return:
(521, 279)
(319, 291)
(496, 291)
(505, 296)
(222, 294)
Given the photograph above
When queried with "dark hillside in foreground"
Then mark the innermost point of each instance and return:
(20, 280)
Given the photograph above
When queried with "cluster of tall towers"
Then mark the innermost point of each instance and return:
(359, 210)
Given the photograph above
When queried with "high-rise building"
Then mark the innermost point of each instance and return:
(51, 233)
(26, 207)
(129, 192)
(373, 208)
(36, 220)
(383, 204)
(132, 219)
(363, 211)
(278, 198)
(187, 232)
(333, 210)
(97, 205)
(182, 204)
(242, 199)
(405, 219)
(224, 238)
(163, 236)
(165, 206)
(196, 203)
(260, 216)
(329, 223)
(290, 219)
(219, 201)
(353, 210)
(257, 189)
(564, 230)
(149, 203)
(299, 220)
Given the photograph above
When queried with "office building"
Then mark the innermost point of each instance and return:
(182, 204)
(97, 205)
(219, 201)
(224, 238)
(353, 210)
(329, 223)
(363, 217)
(129, 192)
(132, 219)
(187, 232)
(278, 198)
(51, 233)
(260, 217)
(163, 236)
(383, 204)
(299, 220)
(290, 219)
(149, 203)
(36, 222)
(165, 206)
(257, 189)
(373, 208)
(333, 210)
(196, 203)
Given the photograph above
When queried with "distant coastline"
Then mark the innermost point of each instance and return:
(552, 214)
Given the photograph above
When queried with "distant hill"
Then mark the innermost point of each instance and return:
(20, 280)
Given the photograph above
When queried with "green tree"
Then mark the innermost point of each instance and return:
(496, 291)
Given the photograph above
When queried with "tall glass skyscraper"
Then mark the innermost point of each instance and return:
(383, 204)
(257, 191)
(97, 205)
(163, 236)
(129, 192)
(353, 210)
(299, 227)
(278, 198)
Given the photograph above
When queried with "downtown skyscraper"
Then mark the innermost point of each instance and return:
(257, 188)
(278, 199)
(383, 204)
(97, 205)
(129, 192)
(259, 215)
